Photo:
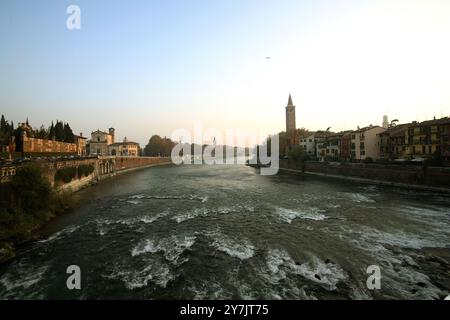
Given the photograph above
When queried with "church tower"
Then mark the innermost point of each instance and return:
(385, 122)
(290, 116)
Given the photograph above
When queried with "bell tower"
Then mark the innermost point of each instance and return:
(290, 116)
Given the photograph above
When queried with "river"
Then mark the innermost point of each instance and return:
(226, 232)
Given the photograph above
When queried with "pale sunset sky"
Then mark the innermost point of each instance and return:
(146, 66)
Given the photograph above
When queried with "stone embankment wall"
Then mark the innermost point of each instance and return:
(406, 174)
(104, 167)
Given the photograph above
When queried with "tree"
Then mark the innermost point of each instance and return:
(297, 157)
(68, 134)
(11, 129)
(159, 147)
(32, 189)
(59, 131)
(3, 126)
(42, 133)
(51, 132)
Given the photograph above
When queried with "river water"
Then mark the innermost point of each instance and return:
(226, 232)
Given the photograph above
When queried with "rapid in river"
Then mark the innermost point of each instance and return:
(226, 232)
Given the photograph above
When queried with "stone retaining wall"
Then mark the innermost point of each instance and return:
(432, 176)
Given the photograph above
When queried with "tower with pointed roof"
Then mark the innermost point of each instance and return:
(290, 116)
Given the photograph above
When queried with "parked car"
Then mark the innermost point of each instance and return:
(17, 161)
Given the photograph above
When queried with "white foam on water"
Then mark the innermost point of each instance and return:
(171, 247)
(135, 202)
(226, 210)
(275, 260)
(309, 197)
(237, 248)
(197, 212)
(147, 246)
(60, 234)
(360, 198)
(436, 217)
(191, 197)
(288, 215)
(151, 219)
(203, 212)
(234, 209)
(104, 225)
(174, 246)
(398, 272)
(194, 197)
(249, 208)
(280, 265)
(155, 273)
(102, 231)
(126, 221)
(137, 196)
(101, 222)
(333, 206)
(208, 290)
(22, 277)
(157, 197)
(430, 211)
(328, 275)
(403, 239)
(203, 199)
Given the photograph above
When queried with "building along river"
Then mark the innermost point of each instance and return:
(226, 232)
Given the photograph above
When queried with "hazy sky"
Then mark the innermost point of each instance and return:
(149, 67)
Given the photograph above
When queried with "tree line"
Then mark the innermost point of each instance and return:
(59, 131)
(162, 147)
(159, 147)
(27, 202)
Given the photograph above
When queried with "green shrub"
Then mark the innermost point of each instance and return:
(297, 158)
(26, 200)
(85, 170)
(26, 203)
(65, 174)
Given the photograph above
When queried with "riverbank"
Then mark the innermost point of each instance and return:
(434, 179)
(15, 232)
(27, 202)
(368, 181)
(94, 178)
